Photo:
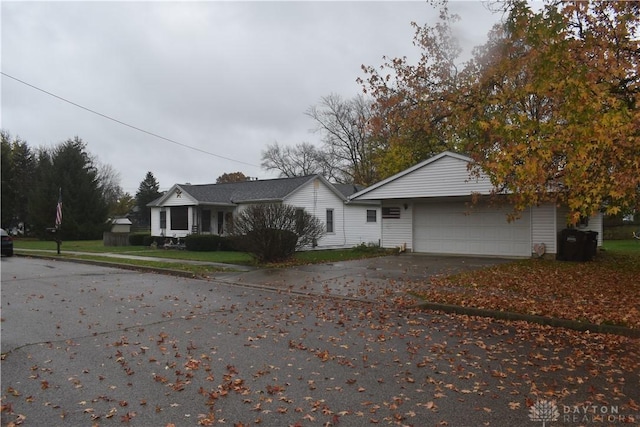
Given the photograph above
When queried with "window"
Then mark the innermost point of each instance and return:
(391, 212)
(371, 215)
(163, 219)
(299, 221)
(329, 220)
(220, 223)
(206, 221)
(180, 218)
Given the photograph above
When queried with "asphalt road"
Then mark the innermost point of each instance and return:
(85, 345)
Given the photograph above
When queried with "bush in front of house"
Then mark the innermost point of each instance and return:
(206, 243)
(273, 232)
(138, 239)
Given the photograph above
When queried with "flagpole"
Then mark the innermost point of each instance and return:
(59, 219)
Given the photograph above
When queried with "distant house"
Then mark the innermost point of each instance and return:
(427, 208)
(121, 225)
(207, 209)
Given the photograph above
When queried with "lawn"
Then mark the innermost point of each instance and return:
(603, 291)
(225, 257)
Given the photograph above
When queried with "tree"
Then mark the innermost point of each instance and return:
(300, 160)
(113, 194)
(18, 165)
(554, 106)
(274, 231)
(124, 205)
(148, 191)
(413, 104)
(70, 169)
(232, 177)
(348, 146)
(548, 107)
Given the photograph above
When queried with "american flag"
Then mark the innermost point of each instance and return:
(59, 210)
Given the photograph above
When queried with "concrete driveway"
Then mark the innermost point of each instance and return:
(360, 279)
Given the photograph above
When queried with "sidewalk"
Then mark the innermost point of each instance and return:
(37, 252)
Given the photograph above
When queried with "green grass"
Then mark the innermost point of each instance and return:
(622, 246)
(226, 257)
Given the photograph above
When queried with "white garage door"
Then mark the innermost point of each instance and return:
(455, 228)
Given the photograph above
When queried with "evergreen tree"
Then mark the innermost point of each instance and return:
(18, 165)
(148, 191)
(68, 168)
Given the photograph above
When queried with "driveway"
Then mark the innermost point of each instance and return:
(370, 278)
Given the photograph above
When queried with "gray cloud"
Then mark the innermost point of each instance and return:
(225, 77)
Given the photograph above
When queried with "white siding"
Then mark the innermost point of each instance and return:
(398, 232)
(357, 229)
(155, 223)
(183, 200)
(544, 228)
(315, 198)
(447, 176)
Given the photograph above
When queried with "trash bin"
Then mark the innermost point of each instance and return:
(591, 245)
(577, 245)
(571, 245)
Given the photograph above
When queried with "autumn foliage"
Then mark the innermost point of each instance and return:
(602, 292)
(548, 107)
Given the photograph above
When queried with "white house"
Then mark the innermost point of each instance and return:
(428, 208)
(206, 209)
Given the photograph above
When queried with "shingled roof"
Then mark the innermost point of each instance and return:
(243, 192)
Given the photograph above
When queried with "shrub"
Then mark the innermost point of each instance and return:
(137, 239)
(273, 232)
(206, 243)
(148, 240)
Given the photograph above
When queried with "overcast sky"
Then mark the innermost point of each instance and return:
(226, 78)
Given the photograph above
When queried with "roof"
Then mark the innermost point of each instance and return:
(121, 221)
(231, 193)
(348, 189)
(410, 170)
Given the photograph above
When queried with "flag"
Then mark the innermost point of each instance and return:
(59, 210)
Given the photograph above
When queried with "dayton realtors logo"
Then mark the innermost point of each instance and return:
(547, 411)
(544, 411)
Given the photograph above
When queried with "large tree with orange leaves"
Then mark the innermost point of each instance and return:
(554, 106)
(548, 107)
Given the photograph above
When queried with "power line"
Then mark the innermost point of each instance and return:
(123, 123)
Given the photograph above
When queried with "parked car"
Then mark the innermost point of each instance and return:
(7, 243)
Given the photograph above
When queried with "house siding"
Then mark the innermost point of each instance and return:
(446, 176)
(168, 232)
(595, 223)
(398, 232)
(315, 198)
(357, 229)
(544, 228)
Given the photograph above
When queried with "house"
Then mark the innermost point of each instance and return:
(207, 209)
(428, 208)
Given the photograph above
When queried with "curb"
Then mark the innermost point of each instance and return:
(542, 320)
(122, 266)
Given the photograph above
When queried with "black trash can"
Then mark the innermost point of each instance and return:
(591, 245)
(571, 245)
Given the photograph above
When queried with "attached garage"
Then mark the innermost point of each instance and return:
(459, 228)
(435, 213)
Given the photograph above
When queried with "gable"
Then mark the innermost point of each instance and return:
(314, 193)
(443, 175)
(178, 197)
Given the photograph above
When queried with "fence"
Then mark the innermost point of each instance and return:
(115, 239)
(619, 232)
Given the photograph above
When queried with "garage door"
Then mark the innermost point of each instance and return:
(454, 228)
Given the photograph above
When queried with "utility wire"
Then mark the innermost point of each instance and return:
(125, 124)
